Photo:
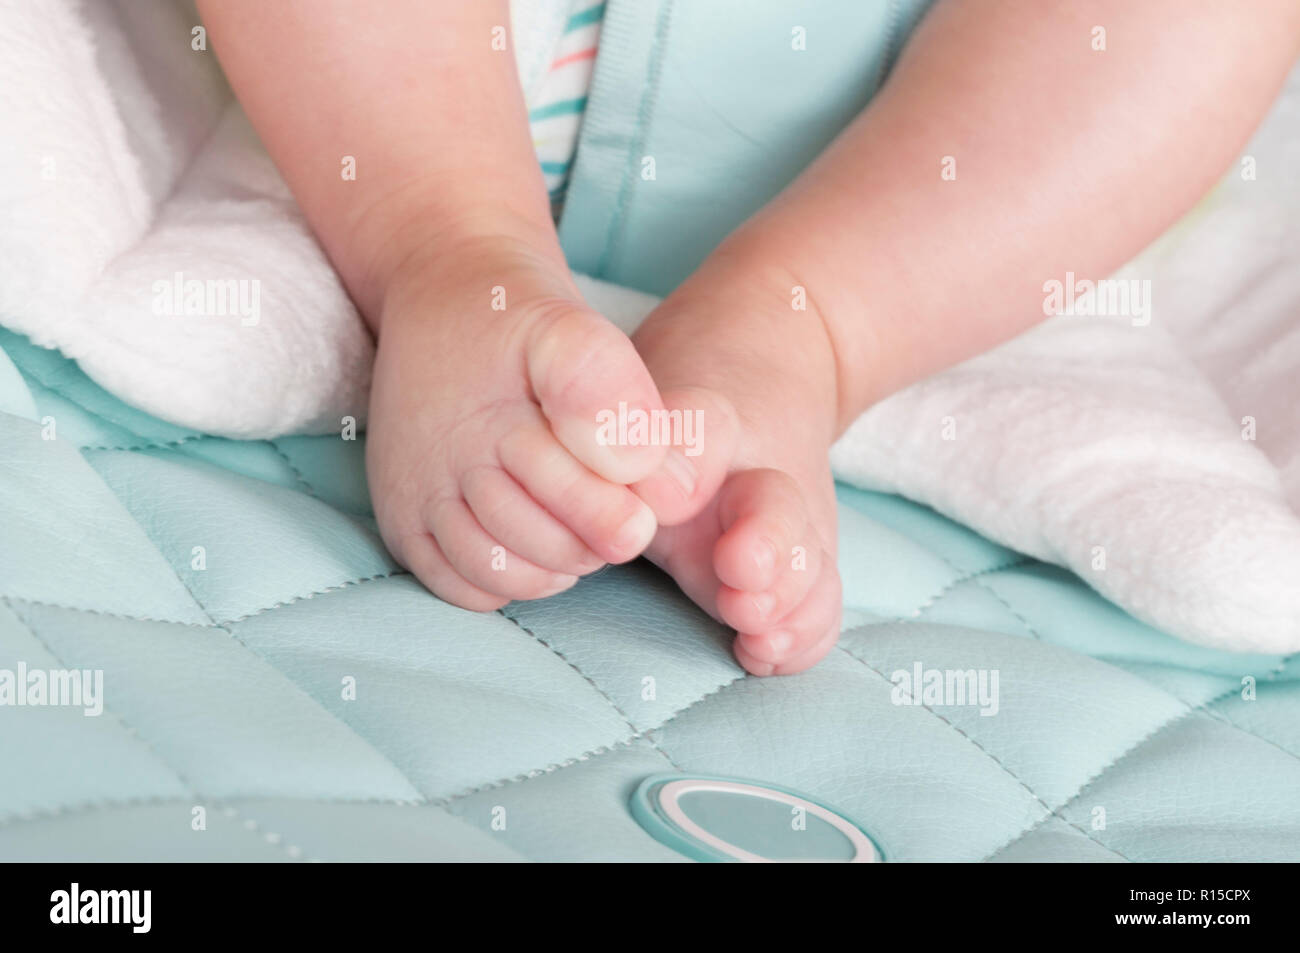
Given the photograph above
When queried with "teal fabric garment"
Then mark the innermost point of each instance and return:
(265, 661)
(700, 112)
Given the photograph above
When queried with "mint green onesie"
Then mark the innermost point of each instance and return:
(700, 111)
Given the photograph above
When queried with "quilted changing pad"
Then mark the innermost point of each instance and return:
(275, 688)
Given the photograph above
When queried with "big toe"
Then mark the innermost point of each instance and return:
(766, 530)
(703, 431)
(596, 394)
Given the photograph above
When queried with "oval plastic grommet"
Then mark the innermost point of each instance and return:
(710, 818)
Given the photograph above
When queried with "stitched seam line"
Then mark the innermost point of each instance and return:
(966, 577)
(299, 480)
(447, 801)
(319, 592)
(333, 716)
(646, 734)
(929, 603)
(1119, 757)
(1219, 715)
(99, 415)
(293, 469)
(1012, 609)
(306, 487)
(189, 786)
(161, 445)
(442, 802)
(213, 625)
(645, 113)
(108, 615)
(1123, 755)
(590, 681)
(224, 627)
(587, 755)
(148, 444)
(989, 754)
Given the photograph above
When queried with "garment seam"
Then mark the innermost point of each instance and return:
(645, 115)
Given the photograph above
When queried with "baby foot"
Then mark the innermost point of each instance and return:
(760, 553)
(488, 477)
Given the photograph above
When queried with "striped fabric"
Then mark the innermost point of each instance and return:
(556, 110)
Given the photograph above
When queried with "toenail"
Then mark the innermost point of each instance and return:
(761, 669)
(636, 533)
(779, 643)
(770, 647)
(682, 471)
(766, 556)
(764, 603)
(559, 582)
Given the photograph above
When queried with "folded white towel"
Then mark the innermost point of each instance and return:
(125, 161)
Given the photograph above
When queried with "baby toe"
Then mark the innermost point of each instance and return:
(609, 519)
(522, 525)
(800, 639)
(758, 612)
(422, 555)
(596, 393)
(765, 530)
(701, 429)
(483, 562)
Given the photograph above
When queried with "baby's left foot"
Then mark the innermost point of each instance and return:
(760, 555)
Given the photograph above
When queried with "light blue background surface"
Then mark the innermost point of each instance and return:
(224, 686)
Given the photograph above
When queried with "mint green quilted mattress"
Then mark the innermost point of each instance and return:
(276, 689)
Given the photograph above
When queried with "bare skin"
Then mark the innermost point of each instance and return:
(481, 441)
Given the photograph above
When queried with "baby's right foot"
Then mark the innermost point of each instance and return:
(488, 480)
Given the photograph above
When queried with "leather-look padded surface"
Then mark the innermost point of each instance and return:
(521, 734)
